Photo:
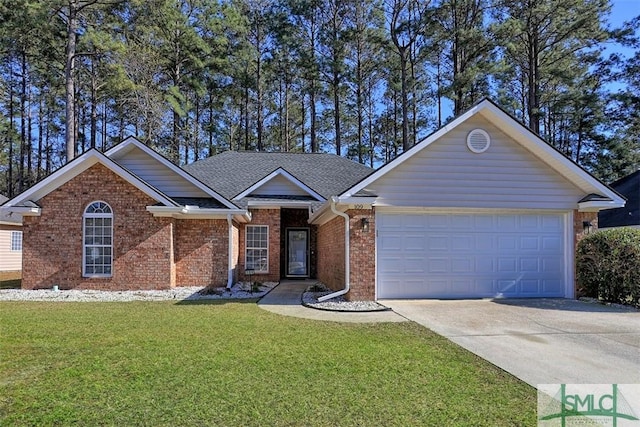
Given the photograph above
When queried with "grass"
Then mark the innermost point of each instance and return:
(10, 279)
(231, 363)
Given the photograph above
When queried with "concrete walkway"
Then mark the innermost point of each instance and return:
(540, 341)
(286, 299)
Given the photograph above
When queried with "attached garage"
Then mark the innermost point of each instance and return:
(481, 208)
(474, 255)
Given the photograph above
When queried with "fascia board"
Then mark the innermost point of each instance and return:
(266, 204)
(181, 212)
(596, 206)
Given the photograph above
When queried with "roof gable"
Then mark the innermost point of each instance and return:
(75, 168)
(518, 134)
(161, 173)
(279, 183)
(232, 173)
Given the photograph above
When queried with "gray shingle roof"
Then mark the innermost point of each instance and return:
(3, 199)
(232, 172)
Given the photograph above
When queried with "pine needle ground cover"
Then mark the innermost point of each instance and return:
(231, 363)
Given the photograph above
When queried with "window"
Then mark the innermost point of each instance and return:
(97, 250)
(257, 248)
(16, 241)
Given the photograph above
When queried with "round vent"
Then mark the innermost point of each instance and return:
(478, 141)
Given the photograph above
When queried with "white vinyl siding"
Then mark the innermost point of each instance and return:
(475, 255)
(447, 174)
(10, 260)
(279, 186)
(97, 248)
(158, 175)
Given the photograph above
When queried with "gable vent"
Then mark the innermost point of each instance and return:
(478, 141)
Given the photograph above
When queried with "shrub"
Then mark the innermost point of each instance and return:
(608, 266)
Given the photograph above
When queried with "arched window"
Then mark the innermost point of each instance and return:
(97, 248)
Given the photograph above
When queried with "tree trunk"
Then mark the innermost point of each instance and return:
(533, 83)
(312, 127)
(69, 76)
(94, 106)
(405, 100)
(336, 112)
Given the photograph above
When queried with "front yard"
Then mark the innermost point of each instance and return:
(231, 363)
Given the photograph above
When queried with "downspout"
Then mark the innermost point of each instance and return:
(334, 200)
(230, 260)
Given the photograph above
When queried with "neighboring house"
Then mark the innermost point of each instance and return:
(629, 215)
(481, 208)
(10, 240)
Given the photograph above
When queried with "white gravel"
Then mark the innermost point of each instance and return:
(189, 293)
(310, 299)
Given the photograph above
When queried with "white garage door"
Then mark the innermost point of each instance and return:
(470, 256)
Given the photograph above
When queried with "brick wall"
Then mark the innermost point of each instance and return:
(143, 244)
(201, 252)
(363, 256)
(578, 227)
(331, 253)
(270, 217)
(362, 262)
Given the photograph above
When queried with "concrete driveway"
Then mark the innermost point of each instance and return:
(540, 341)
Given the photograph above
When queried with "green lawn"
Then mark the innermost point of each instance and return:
(161, 363)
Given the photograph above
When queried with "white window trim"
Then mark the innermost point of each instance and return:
(86, 215)
(246, 248)
(14, 240)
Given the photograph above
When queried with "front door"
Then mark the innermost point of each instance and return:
(298, 252)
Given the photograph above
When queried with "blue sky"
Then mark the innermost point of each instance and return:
(623, 10)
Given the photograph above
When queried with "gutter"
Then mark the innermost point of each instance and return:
(334, 200)
(230, 256)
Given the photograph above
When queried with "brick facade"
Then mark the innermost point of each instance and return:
(148, 252)
(578, 223)
(201, 252)
(271, 218)
(331, 253)
(362, 263)
(363, 256)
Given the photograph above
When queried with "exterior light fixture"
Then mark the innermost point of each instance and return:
(364, 222)
(587, 227)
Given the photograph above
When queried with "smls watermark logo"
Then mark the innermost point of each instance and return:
(566, 405)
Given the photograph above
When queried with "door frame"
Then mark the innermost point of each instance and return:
(307, 230)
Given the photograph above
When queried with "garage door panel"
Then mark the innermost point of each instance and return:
(507, 243)
(415, 243)
(437, 242)
(437, 265)
(462, 243)
(461, 265)
(551, 243)
(467, 256)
